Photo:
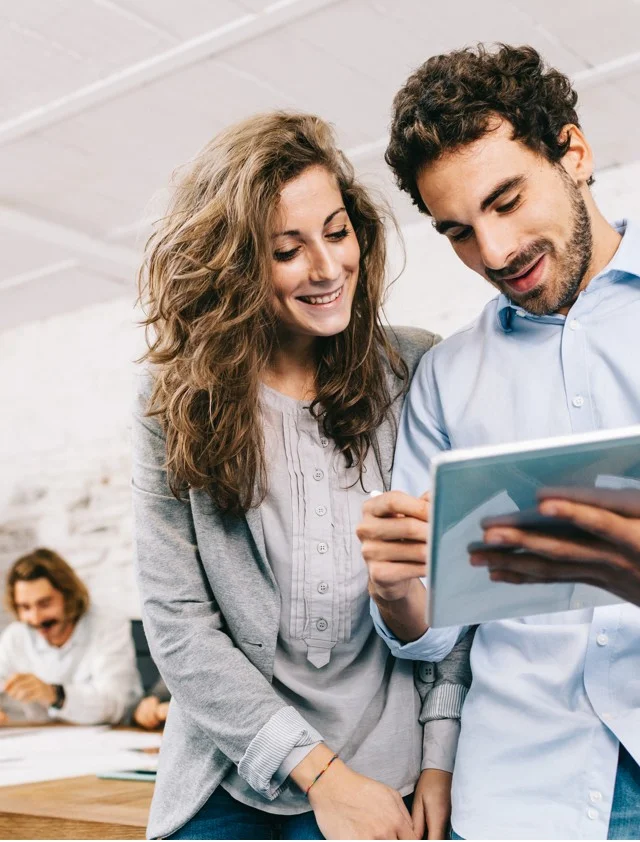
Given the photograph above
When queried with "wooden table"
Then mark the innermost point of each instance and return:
(75, 808)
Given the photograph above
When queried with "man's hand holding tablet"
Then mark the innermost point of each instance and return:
(587, 535)
(393, 532)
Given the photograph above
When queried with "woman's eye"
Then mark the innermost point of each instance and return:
(285, 255)
(339, 235)
(509, 206)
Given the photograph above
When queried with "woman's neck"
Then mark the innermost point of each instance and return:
(292, 368)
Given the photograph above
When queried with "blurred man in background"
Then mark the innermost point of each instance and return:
(63, 659)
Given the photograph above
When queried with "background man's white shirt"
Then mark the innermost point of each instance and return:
(96, 666)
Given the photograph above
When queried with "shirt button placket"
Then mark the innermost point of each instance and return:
(575, 375)
(319, 541)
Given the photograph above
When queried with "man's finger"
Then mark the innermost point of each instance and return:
(549, 546)
(518, 568)
(392, 529)
(393, 503)
(394, 551)
(600, 522)
(383, 573)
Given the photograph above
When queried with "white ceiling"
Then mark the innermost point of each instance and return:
(102, 99)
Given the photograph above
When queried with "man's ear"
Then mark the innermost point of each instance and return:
(578, 159)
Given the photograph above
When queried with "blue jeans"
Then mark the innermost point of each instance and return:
(625, 808)
(222, 817)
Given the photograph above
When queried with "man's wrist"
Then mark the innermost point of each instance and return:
(57, 696)
(405, 616)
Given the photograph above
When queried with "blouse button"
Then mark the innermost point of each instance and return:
(322, 624)
(323, 587)
(318, 474)
(322, 547)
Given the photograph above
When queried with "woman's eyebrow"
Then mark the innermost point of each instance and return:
(294, 232)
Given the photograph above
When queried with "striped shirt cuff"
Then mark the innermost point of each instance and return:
(271, 746)
(439, 744)
(444, 701)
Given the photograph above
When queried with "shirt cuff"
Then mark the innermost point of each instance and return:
(434, 645)
(439, 744)
(271, 747)
(295, 756)
(444, 701)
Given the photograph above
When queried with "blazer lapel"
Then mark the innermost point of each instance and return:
(254, 522)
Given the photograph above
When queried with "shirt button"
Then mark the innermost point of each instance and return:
(322, 624)
(520, 313)
(321, 510)
(574, 324)
(578, 401)
(593, 814)
(595, 796)
(323, 587)
(318, 474)
(602, 639)
(324, 441)
(322, 547)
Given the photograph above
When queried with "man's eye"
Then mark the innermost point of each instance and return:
(509, 206)
(285, 255)
(462, 235)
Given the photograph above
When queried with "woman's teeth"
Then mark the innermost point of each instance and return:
(321, 299)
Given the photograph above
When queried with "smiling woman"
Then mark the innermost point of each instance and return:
(270, 411)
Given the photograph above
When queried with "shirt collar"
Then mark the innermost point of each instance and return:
(625, 262)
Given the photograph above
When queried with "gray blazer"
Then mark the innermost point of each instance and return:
(210, 608)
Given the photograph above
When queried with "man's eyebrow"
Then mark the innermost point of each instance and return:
(443, 227)
(501, 189)
(294, 232)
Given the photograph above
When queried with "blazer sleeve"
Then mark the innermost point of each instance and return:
(209, 678)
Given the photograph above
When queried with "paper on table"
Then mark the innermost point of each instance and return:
(66, 752)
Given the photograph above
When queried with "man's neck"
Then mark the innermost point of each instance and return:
(606, 241)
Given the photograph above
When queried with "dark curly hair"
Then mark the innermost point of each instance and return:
(451, 99)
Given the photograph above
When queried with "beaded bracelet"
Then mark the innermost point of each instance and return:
(320, 774)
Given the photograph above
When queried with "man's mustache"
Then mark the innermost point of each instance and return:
(44, 625)
(520, 263)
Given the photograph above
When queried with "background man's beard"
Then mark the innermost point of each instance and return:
(572, 266)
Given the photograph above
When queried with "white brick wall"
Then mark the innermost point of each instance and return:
(66, 391)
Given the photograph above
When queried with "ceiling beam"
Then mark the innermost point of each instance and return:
(118, 262)
(608, 71)
(189, 52)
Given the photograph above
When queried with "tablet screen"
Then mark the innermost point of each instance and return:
(473, 484)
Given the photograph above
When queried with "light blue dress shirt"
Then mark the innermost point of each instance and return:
(552, 695)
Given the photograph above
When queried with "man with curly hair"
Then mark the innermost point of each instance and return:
(488, 144)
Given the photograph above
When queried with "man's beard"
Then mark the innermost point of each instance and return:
(572, 264)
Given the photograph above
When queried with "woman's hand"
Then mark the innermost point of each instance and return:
(432, 804)
(351, 806)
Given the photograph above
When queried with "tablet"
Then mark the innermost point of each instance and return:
(470, 486)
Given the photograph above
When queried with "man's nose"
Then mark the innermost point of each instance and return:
(496, 248)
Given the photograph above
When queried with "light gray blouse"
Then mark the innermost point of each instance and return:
(330, 664)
